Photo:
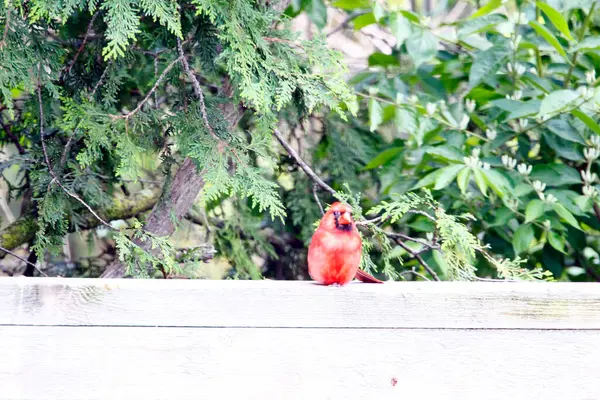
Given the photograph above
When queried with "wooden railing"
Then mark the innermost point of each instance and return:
(190, 339)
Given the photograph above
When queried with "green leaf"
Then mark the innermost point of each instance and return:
(463, 179)
(557, 19)
(487, 63)
(549, 37)
(406, 121)
(566, 215)
(317, 12)
(563, 129)
(523, 237)
(383, 158)
(534, 210)
(421, 46)
(563, 148)
(556, 241)
(473, 26)
(480, 180)
(555, 175)
(351, 4)
(446, 176)
(383, 60)
(557, 101)
(428, 180)
(588, 121)
(378, 11)
(447, 152)
(527, 109)
(375, 114)
(488, 8)
(411, 16)
(400, 27)
(589, 43)
(364, 20)
(584, 203)
(497, 181)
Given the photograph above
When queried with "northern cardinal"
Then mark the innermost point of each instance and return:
(335, 249)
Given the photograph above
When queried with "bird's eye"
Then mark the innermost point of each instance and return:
(336, 213)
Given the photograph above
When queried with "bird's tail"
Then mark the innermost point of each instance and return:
(366, 278)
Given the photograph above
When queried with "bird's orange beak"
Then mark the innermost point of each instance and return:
(345, 219)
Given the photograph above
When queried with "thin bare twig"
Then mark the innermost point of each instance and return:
(414, 272)
(63, 158)
(51, 170)
(197, 89)
(307, 170)
(12, 136)
(314, 190)
(344, 24)
(396, 235)
(279, 40)
(200, 95)
(101, 80)
(418, 257)
(24, 260)
(85, 39)
(149, 94)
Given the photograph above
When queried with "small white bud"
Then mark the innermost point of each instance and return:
(524, 169)
(590, 153)
(519, 69)
(490, 134)
(517, 95)
(413, 99)
(470, 105)
(547, 224)
(476, 152)
(589, 191)
(486, 166)
(539, 186)
(509, 68)
(590, 76)
(523, 123)
(551, 199)
(595, 139)
(464, 122)
(431, 108)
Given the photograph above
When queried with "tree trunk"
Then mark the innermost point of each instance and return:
(184, 189)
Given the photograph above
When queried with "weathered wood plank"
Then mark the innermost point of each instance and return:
(194, 303)
(43, 363)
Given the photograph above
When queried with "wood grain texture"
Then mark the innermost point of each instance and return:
(56, 363)
(194, 303)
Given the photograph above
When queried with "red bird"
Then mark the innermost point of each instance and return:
(335, 249)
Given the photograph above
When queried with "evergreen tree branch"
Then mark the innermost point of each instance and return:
(83, 43)
(418, 257)
(149, 94)
(200, 95)
(24, 260)
(51, 170)
(23, 229)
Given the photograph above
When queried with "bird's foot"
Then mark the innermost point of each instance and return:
(335, 285)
